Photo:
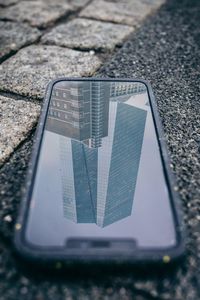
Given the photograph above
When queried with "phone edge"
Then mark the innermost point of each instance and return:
(174, 253)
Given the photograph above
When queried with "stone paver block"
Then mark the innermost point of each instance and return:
(37, 13)
(78, 3)
(129, 12)
(28, 72)
(15, 35)
(17, 118)
(8, 2)
(88, 34)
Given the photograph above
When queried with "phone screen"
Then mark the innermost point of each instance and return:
(99, 173)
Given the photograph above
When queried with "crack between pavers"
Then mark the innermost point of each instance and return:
(62, 20)
(107, 21)
(13, 52)
(16, 97)
(26, 139)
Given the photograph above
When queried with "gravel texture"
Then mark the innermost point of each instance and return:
(29, 71)
(129, 12)
(88, 34)
(165, 50)
(17, 119)
(15, 35)
(37, 13)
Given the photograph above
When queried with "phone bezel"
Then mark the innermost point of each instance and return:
(33, 253)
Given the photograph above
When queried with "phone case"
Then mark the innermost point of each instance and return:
(58, 257)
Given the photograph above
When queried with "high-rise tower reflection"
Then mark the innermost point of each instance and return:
(100, 147)
(79, 110)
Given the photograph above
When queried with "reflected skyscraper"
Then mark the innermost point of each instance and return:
(79, 180)
(79, 110)
(118, 163)
(69, 113)
(120, 89)
(100, 149)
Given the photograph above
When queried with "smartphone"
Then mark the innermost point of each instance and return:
(99, 186)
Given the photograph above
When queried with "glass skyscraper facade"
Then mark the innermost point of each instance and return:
(125, 150)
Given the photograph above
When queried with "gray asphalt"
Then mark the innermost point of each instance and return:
(165, 51)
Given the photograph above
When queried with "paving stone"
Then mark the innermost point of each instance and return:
(8, 2)
(37, 13)
(29, 71)
(78, 3)
(17, 118)
(15, 35)
(129, 12)
(88, 34)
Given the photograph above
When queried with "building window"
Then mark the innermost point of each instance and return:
(75, 114)
(76, 124)
(74, 92)
(65, 105)
(75, 103)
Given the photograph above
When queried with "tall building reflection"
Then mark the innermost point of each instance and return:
(80, 111)
(100, 146)
(118, 163)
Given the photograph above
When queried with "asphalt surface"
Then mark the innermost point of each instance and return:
(165, 51)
